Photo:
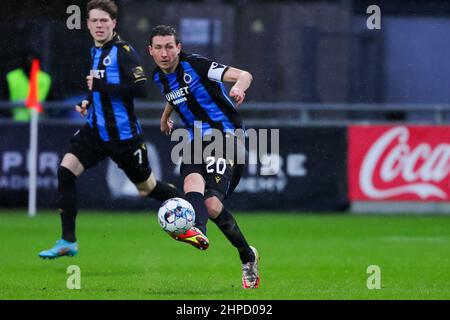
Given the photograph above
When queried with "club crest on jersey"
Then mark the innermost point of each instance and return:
(187, 78)
(107, 61)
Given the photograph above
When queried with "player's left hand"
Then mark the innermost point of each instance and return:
(167, 126)
(238, 95)
(90, 80)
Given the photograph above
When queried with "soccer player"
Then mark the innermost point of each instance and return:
(192, 86)
(112, 129)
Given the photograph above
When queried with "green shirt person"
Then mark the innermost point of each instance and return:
(18, 84)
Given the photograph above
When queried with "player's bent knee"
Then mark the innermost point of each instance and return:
(144, 191)
(189, 184)
(194, 183)
(72, 163)
(214, 206)
(146, 187)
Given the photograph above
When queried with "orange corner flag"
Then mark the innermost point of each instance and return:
(33, 100)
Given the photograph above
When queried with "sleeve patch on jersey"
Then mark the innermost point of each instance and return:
(216, 71)
(138, 72)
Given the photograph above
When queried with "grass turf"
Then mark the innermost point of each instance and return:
(303, 256)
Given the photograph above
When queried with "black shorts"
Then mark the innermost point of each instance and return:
(222, 172)
(129, 155)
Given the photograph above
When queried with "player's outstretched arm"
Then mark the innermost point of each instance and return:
(166, 122)
(241, 79)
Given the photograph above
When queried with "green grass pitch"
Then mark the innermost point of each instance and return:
(303, 256)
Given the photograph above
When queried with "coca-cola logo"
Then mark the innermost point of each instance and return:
(400, 168)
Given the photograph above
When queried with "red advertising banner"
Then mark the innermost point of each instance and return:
(399, 163)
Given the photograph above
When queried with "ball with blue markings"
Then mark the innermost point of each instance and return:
(176, 216)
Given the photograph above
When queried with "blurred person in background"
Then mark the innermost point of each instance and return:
(16, 86)
(112, 129)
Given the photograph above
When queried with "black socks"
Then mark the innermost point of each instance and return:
(67, 202)
(201, 213)
(228, 225)
(164, 191)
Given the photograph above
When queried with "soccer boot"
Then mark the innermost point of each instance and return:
(60, 249)
(194, 237)
(250, 274)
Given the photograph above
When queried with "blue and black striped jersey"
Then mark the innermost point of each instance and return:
(120, 78)
(196, 92)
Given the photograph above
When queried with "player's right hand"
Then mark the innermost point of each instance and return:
(167, 126)
(82, 109)
(237, 94)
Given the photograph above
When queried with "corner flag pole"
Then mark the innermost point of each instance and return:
(33, 104)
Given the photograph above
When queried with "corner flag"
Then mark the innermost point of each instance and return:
(32, 103)
(33, 99)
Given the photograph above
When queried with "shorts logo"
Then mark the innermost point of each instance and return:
(187, 78)
(107, 61)
(218, 178)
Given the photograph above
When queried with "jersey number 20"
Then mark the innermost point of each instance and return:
(221, 165)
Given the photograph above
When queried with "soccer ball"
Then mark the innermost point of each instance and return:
(176, 216)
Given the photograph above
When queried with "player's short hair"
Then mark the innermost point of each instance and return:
(108, 6)
(164, 30)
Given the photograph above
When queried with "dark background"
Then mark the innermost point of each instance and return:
(298, 51)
